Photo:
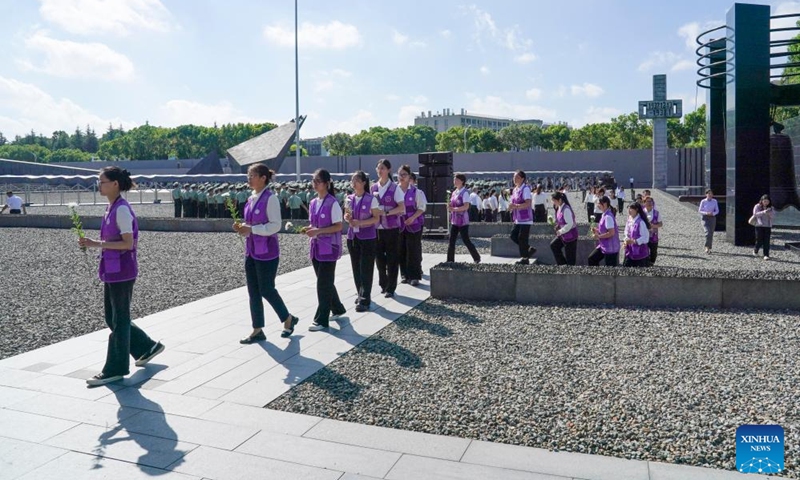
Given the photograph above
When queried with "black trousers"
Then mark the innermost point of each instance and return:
(295, 214)
(15, 211)
(473, 213)
(520, 235)
(505, 216)
(589, 211)
(763, 235)
(411, 255)
(539, 213)
(261, 283)
(327, 296)
(612, 259)
(362, 259)
(387, 258)
(451, 247)
(203, 210)
(186, 207)
(653, 252)
(620, 204)
(126, 339)
(628, 262)
(569, 248)
(177, 203)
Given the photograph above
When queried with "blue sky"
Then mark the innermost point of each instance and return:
(65, 63)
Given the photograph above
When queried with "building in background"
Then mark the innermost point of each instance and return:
(314, 147)
(447, 119)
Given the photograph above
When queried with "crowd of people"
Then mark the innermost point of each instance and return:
(385, 222)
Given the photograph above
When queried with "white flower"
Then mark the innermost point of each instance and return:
(289, 226)
(72, 205)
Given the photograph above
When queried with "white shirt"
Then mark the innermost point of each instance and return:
(373, 206)
(621, 194)
(124, 220)
(465, 196)
(492, 202)
(539, 198)
(569, 220)
(502, 204)
(14, 202)
(609, 221)
(273, 213)
(419, 198)
(336, 210)
(475, 199)
(399, 198)
(644, 234)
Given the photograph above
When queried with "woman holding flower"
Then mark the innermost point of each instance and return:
(262, 222)
(522, 214)
(119, 234)
(362, 213)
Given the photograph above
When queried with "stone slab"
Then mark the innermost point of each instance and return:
(18, 458)
(577, 289)
(447, 283)
(504, 247)
(412, 467)
(673, 292)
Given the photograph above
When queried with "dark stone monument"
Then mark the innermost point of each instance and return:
(659, 109)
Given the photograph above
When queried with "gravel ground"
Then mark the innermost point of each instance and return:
(622, 382)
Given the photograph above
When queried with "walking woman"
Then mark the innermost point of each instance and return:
(411, 222)
(709, 209)
(119, 235)
(654, 217)
(607, 236)
(325, 248)
(502, 206)
(590, 199)
(362, 213)
(262, 222)
(390, 199)
(539, 208)
(637, 235)
(764, 214)
(521, 213)
(565, 245)
(459, 219)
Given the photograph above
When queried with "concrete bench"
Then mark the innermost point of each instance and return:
(655, 287)
(502, 246)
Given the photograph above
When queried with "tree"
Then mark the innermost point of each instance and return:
(691, 132)
(452, 140)
(90, 141)
(69, 155)
(25, 153)
(3, 140)
(629, 132)
(485, 140)
(76, 140)
(594, 136)
(555, 137)
(59, 139)
(791, 75)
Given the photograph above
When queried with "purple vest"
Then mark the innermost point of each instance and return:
(387, 203)
(361, 211)
(608, 245)
(410, 202)
(260, 247)
(459, 219)
(572, 235)
(636, 251)
(118, 265)
(518, 198)
(654, 217)
(326, 247)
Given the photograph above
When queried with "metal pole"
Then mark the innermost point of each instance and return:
(296, 97)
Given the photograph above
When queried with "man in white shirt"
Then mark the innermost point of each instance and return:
(475, 205)
(14, 204)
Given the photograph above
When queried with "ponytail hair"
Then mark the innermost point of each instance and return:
(607, 202)
(640, 212)
(407, 169)
(561, 197)
(261, 170)
(359, 174)
(119, 175)
(325, 176)
(386, 163)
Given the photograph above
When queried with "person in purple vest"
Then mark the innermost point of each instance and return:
(362, 213)
(522, 214)
(459, 219)
(607, 235)
(325, 248)
(262, 222)
(387, 256)
(119, 235)
(566, 241)
(637, 235)
(654, 217)
(411, 222)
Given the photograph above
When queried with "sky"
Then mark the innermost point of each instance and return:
(70, 63)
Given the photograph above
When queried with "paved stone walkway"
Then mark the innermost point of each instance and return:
(195, 412)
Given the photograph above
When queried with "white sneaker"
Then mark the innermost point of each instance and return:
(316, 327)
(157, 348)
(766, 258)
(102, 379)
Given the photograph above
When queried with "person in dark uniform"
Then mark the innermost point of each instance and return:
(176, 199)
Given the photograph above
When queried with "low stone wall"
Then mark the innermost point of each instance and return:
(502, 246)
(655, 287)
(145, 223)
(488, 230)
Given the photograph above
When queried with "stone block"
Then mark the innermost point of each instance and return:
(568, 289)
(671, 292)
(769, 294)
(473, 284)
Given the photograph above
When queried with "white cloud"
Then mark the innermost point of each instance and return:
(533, 94)
(683, 65)
(597, 115)
(26, 107)
(663, 60)
(334, 35)
(66, 59)
(323, 86)
(493, 105)
(392, 97)
(362, 120)
(119, 17)
(561, 92)
(586, 90)
(399, 39)
(690, 31)
(446, 33)
(341, 73)
(407, 115)
(525, 58)
(183, 112)
(510, 38)
(485, 70)
(419, 99)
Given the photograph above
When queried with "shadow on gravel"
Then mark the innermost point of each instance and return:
(410, 321)
(442, 310)
(404, 357)
(160, 451)
(303, 369)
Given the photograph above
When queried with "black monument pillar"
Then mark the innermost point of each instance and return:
(747, 112)
(715, 122)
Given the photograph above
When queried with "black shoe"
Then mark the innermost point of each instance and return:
(259, 337)
(414, 282)
(404, 280)
(287, 332)
(157, 348)
(362, 308)
(358, 300)
(383, 290)
(523, 261)
(531, 251)
(389, 294)
(478, 260)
